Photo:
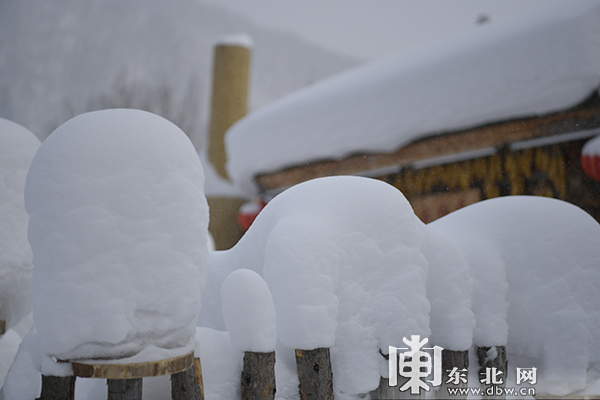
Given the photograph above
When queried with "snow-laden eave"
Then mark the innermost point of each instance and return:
(531, 65)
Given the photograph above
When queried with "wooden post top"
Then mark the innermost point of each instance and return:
(133, 371)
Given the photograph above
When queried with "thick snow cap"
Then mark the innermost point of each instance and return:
(531, 65)
(535, 266)
(249, 312)
(118, 228)
(17, 148)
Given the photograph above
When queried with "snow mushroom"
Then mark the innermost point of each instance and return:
(118, 228)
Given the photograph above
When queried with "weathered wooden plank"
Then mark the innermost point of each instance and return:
(135, 370)
(198, 368)
(58, 388)
(493, 135)
(124, 389)
(185, 386)
(314, 374)
(258, 376)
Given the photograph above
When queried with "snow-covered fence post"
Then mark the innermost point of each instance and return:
(314, 374)
(493, 368)
(118, 228)
(249, 315)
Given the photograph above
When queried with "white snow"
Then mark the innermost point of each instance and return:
(249, 312)
(346, 264)
(221, 364)
(24, 381)
(548, 253)
(346, 261)
(118, 228)
(240, 39)
(592, 147)
(17, 148)
(530, 65)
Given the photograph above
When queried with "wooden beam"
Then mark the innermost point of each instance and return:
(198, 368)
(132, 371)
(493, 135)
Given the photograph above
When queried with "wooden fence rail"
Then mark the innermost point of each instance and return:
(258, 376)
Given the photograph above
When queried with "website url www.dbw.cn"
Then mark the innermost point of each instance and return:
(492, 391)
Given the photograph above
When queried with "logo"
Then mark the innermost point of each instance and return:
(422, 368)
(416, 365)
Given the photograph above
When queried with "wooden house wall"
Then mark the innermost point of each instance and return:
(551, 171)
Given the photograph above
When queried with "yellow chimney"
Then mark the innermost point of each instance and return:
(231, 73)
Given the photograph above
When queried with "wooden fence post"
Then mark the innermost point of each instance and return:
(2, 326)
(198, 368)
(185, 385)
(452, 359)
(314, 373)
(58, 388)
(492, 357)
(124, 389)
(258, 376)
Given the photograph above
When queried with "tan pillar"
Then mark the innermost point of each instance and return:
(231, 72)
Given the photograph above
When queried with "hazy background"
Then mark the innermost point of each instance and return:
(369, 29)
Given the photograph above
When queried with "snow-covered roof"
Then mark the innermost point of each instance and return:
(529, 65)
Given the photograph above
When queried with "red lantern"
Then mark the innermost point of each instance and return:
(248, 213)
(590, 158)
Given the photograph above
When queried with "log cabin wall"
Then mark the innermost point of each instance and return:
(551, 171)
(443, 173)
(439, 190)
